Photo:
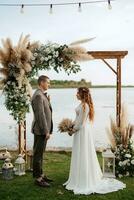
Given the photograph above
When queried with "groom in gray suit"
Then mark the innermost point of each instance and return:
(42, 128)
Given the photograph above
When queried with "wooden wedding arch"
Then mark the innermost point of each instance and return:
(104, 56)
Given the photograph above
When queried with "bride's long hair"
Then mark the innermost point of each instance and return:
(85, 96)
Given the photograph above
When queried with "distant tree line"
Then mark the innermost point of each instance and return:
(65, 83)
(73, 84)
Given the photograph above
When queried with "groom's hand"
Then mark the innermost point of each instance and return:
(47, 136)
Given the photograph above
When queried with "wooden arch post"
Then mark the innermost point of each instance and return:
(118, 56)
(22, 139)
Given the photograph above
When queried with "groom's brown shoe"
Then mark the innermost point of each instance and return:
(42, 183)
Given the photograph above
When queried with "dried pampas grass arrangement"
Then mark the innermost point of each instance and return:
(18, 57)
(80, 53)
(77, 53)
(82, 41)
(111, 138)
(123, 134)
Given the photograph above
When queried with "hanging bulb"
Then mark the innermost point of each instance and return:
(109, 5)
(51, 9)
(22, 9)
(79, 8)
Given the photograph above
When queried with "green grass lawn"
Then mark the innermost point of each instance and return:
(56, 167)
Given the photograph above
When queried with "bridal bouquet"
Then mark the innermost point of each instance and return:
(66, 125)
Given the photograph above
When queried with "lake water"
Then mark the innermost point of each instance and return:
(64, 102)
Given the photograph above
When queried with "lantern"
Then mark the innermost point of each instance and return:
(4, 154)
(108, 163)
(20, 166)
(7, 170)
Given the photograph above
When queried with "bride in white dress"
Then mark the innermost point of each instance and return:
(85, 175)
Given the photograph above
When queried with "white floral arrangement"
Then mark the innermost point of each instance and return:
(17, 100)
(22, 62)
(54, 56)
(124, 160)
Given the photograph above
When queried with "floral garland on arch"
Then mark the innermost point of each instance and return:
(22, 62)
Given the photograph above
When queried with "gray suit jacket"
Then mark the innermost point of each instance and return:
(42, 122)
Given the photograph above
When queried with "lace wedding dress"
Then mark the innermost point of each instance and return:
(85, 175)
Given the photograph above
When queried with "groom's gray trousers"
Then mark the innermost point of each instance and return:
(38, 149)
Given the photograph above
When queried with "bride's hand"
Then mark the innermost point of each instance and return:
(70, 134)
(73, 131)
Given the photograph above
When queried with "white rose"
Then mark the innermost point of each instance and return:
(120, 175)
(33, 58)
(49, 57)
(47, 50)
(132, 162)
(46, 59)
(127, 173)
(35, 54)
(53, 64)
(127, 155)
(125, 162)
(42, 59)
(57, 54)
(120, 163)
(61, 59)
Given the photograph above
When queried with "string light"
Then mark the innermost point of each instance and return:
(58, 4)
(22, 9)
(51, 9)
(109, 5)
(79, 8)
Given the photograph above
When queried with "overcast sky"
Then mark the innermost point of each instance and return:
(113, 29)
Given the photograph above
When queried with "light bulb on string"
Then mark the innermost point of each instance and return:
(51, 9)
(22, 9)
(79, 8)
(109, 5)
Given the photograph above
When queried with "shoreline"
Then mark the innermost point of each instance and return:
(94, 87)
